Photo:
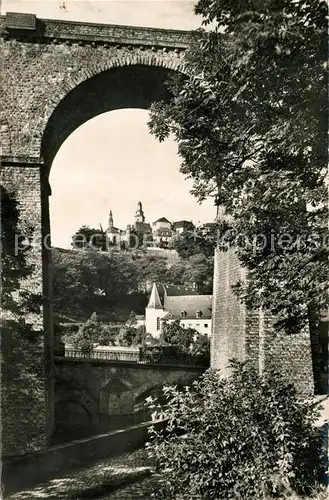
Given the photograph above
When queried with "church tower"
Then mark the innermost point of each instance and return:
(139, 215)
(111, 220)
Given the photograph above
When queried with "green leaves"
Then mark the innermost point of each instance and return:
(250, 120)
(180, 345)
(241, 437)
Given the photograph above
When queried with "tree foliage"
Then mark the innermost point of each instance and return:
(89, 238)
(17, 297)
(250, 120)
(193, 242)
(88, 281)
(174, 334)
(185, 341)
(88, 335)
(242, 437)
(199, 271)
(91, 280)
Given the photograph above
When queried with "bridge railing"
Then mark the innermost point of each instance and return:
(118, 355)
(150, 354)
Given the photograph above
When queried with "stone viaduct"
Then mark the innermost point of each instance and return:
(55, 75)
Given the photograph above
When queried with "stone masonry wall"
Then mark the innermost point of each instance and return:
(41, 63)
(250, 335)
(291, 355)
(228, 339)
(23, 367)
(38, 71)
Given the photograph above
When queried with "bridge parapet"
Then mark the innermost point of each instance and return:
(149, 356)
(28, 27)
(104, 354)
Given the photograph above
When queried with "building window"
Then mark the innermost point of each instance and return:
(183, 325)
(190, 324)
(198, 314)
(158, 323)
(183, 314)
(206, 325)
(198, 324)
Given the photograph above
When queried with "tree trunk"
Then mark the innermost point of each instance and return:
(314, 325)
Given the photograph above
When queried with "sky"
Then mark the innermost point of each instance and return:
(111, 161)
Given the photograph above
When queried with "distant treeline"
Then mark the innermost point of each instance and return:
(113, 284)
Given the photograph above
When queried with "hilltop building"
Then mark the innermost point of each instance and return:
(183, 225)
(140, 229)
(113, 233)
(209, 228)
(161, 233)
(176, 302)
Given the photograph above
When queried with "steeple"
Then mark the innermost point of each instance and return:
(111, 220)
(139, 215)
(155, 301)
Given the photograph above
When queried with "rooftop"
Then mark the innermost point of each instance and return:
(188, 304)
(143, 227)
(113, 230)
(179, 290)
(162, 219)
(182, 223)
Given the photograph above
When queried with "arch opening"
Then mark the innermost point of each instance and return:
(73, 421)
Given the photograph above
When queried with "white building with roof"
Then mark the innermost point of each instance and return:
(162, 232)
(178, 302)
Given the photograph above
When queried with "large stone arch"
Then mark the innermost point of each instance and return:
(131, 60)
(46, 65)
(79, 396)
(132, 82)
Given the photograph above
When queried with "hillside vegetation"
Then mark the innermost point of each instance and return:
(114, 284)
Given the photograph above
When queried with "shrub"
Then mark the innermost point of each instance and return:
(85, 345)
(201, 349)
(235, 438)
(88, 334)
(109, 335)
(127, 336)
(186, 343)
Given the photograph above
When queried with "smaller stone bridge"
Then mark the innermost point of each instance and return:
(96, 395)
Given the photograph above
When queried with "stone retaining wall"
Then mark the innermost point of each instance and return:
(38, 467)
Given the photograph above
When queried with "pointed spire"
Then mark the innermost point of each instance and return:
(155, 301)
(111, 220)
